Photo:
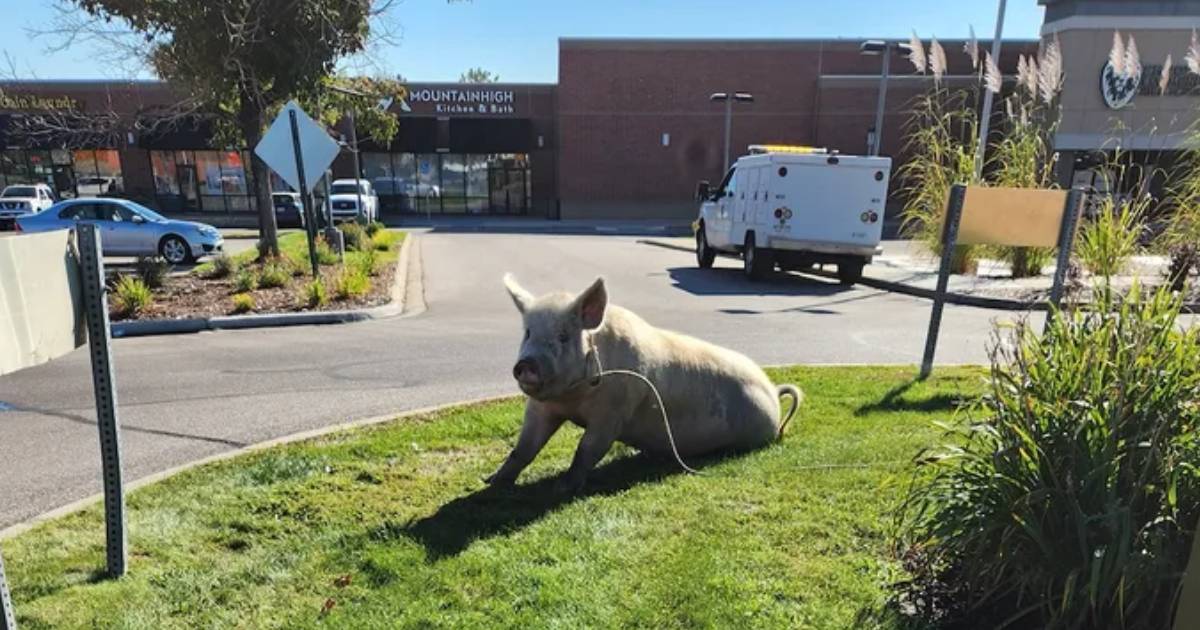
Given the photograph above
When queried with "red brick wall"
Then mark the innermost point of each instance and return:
(617, 98)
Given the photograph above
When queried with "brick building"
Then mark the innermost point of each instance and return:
(626, 132)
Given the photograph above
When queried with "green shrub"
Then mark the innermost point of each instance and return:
(366, 262)
(356, 237)
(131, 296)
(375, 227)
(223, 266)
(352, 283)
(315, 294)
(245, 280)
(297, 263)
(384, 240)
(243, 303)
(1070, 498)
(1107, 242)
(325, 253)
(153, 270)
(274, 274)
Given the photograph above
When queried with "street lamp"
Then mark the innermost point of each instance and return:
(354, 144)
(885, 49)
(729, 98)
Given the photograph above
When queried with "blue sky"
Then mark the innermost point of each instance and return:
(436, 40)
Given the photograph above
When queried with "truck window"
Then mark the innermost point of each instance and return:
(727, 184)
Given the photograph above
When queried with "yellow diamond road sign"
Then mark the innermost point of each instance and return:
(277, 150)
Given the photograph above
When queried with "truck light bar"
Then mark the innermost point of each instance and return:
(758, 149)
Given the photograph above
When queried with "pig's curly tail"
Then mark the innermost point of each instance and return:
(797, 396)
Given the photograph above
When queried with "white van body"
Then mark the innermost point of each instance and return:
(794, 210)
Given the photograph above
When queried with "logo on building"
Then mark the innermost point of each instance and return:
(467, 100)
(1118, 90)
(33, 102)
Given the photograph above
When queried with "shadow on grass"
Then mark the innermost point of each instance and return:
(495, 511)
(895, 400)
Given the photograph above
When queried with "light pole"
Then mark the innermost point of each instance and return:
(354, 145)
(884, 48)
(985, 116)
(729, 98)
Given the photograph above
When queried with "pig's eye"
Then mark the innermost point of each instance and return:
(526, 333)
(563, 337)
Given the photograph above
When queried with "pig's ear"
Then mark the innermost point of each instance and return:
(591, 305)
(520, 296)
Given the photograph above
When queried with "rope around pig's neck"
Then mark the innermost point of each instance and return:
(594, 380)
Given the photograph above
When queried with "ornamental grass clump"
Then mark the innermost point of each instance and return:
(1068, 497)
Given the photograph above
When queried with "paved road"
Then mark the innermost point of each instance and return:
(186, 397)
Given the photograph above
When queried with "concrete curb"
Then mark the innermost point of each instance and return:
(962, 299)
(81, 504)
(275, 320)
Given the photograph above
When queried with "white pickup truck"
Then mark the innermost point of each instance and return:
(795, 207)
(19, 200)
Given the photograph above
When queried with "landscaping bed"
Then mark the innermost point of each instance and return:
(391, 527)
(244, 284)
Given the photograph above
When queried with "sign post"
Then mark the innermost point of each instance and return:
(299, 150)
(1017, 217)
(310, 218)
(99, 344)
(8, 617)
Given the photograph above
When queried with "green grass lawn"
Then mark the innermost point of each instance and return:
(393, 526)
(294, 246)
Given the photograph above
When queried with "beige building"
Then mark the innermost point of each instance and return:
(1102, 109)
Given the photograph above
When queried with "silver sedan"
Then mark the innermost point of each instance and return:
(130, 229)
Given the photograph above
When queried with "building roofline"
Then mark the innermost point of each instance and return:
(616, 42)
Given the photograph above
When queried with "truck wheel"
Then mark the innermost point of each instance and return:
(756, 263)
(850, 272)
(704, 254)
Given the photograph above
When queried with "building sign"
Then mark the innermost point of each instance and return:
(35, 103)
(1119, 92)
(466, 100)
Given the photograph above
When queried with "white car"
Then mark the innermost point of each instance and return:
(344, 195)
(21, 200)
(795, 207)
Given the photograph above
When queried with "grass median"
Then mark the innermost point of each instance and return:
(390, 527)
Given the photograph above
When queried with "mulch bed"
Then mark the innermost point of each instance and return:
(185, 296)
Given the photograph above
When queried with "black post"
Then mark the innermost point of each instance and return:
(95, 303)
(1066, 242)
(309, 217)
(8, 616)
(954, 208)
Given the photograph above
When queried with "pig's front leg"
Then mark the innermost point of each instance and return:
(538, 428)
(597, 440)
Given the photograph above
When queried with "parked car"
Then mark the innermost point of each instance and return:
(289, 211)
(96, 186)
(130, 229)
(795, 207)
(343, 198)
(21, 200)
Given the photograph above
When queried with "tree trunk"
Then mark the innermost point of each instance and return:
(251, 120)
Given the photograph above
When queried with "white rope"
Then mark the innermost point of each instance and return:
(661, 407)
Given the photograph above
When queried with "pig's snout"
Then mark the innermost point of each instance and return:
(527, 374)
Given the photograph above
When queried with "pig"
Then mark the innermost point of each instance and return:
(716, 399)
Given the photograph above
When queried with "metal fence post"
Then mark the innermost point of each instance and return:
(99, 345)
(8, 617)
(1066, 243)
(954, 208)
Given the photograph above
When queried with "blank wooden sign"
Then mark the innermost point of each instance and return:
(1017, 217)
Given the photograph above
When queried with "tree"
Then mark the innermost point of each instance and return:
(241, 60)
(478, 75)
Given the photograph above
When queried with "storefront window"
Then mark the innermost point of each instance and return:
(166, 179)
(477, 184)
(454, 183)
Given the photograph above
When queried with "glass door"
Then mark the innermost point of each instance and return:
(188, 186)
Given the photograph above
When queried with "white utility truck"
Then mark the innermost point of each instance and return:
(795, 207)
